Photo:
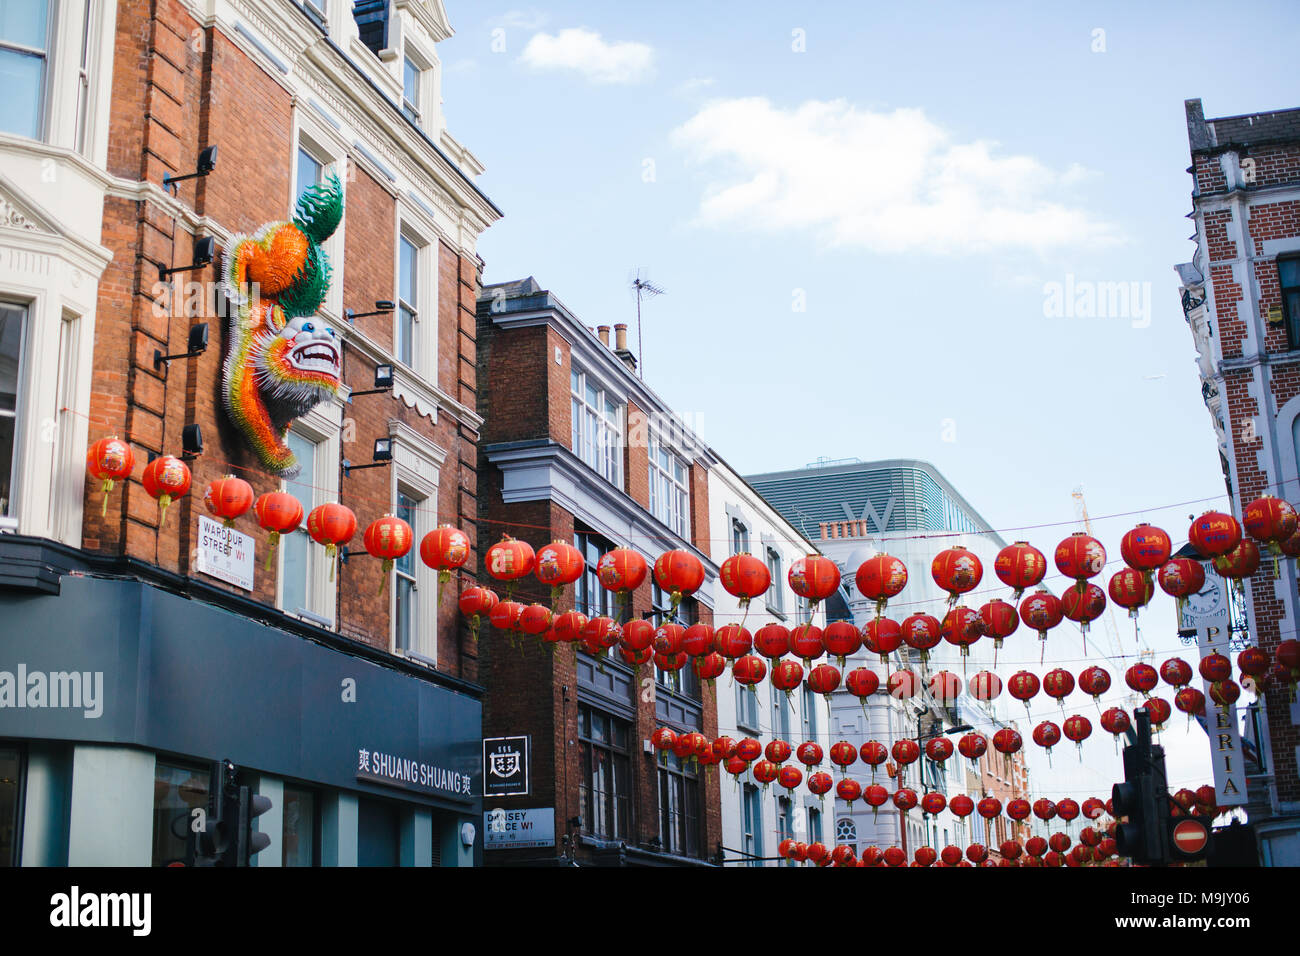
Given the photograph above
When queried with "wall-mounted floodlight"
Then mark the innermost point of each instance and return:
(207, 163)
(204, 250)
(197, 344)
(382, 306)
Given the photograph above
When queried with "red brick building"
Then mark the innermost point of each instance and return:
(290, 93)
(576, 447)
(1241, 296)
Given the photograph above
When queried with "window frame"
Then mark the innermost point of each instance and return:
(1291, 318)
(403, 576)
(416, 473)
(739, 536)
(321, 426)
(609, 454)
(751, 821)
(624, 823)
(315, 795)
(775, 594)
(326, 146)
(690, 818)
(670, 498)
(417, 228)
(9, 516)
(44, 93)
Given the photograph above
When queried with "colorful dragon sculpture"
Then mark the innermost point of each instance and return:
(282, 358)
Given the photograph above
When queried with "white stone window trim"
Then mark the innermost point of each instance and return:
(418, 228)
(322, 425)
(327, 146)
(416, 473)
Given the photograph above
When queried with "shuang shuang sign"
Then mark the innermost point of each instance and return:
(74, 690)
(411, 774)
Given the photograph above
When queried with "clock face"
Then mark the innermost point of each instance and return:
(1207, 601)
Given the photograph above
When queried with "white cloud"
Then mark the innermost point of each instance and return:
(578, 48)
(889, 182)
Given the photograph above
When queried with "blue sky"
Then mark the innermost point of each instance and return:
(914, 178)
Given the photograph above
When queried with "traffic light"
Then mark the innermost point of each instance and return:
(229, 838)
(1143, 797)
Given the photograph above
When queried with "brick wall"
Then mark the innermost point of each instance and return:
(176, 89)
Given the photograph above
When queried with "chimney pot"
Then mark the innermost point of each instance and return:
(620, 337)
(603, 332)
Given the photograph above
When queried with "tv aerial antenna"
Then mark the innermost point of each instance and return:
(644, 289)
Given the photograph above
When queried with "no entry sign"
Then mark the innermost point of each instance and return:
(1190, 837)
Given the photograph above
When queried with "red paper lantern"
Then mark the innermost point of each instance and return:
(894, 856)
(680, 573)
(989, 808)
(735, 766)
(785, 847)
(600, 634)
(1270, 520)
(1181, 577)
(1078, 729)
(862, 682)
(905, 751)
(905, 798)
(505, 615)
(1019, 809)
(945, 686)
(166, 478)
(806, 643)
(663, 739)
(1007, 741)
(333, 524)
(1115, 721)
(749, 670)
(557, 564)
(474, 601)
(902, 684)
(621, 571)
(933, 803)
(789, 777)
(743, 576)
(843, 754)
(962, 627)
(748, 749)
(956, 571)
(1023, 686)
(848, 790)
(724, 748)
(1094, 681)
(1044, 809)
(999, 620)
(961, 806)
(1059, 842)
(1020, 566)
(732, 641)
(1093, 809)
(818, 853)
(977, 853)
(1176, 672)
(279, 513)
(509, 560)
(638, 635)
(1141, 678)
(1089, 837)
(1159, 710)
(985, 686)
(1215, 667)
(668, 639)
(765, 772)
(1225, 692)
(1047, 735)
(634, 658)
(698, 640)
(709, 667)
(920, 631)
(444, 549)
(228, 498)
(1083, 604)
(841, 638)
(1042, 611)
(787, 676)
(1010, 849)
(973, 745)
(823, 679)
(1145, 548)
(875, 796)
(1241, 562)
(1080, 556)
(820, 783)
(1214, 533)
(772, 641)
(951, 855)
(1253, 662)
(938, 749)
(1190, 701)
(925, 855)
(535, 619)
(1131, 589)
(388, 538)
(1058, 684)
(881, 577)
(809, 754)
(110, 460)
(873, 753)
(814, 578)
(569, 626)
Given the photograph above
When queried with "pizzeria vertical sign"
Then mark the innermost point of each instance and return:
(505, 766)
